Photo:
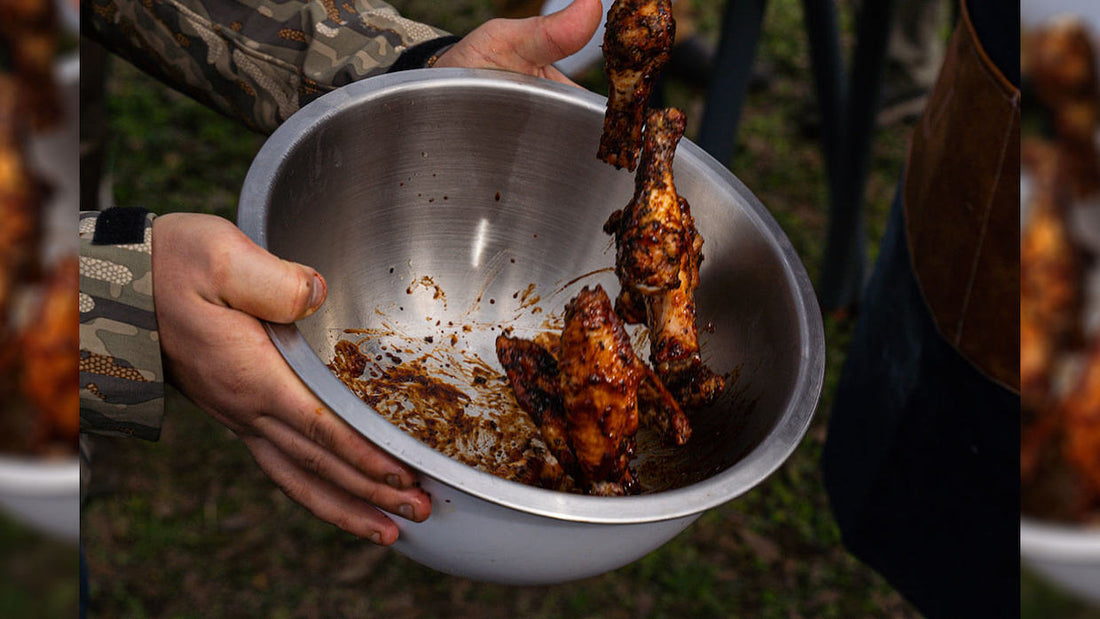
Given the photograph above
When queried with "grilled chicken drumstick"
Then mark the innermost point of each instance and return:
(28, 42)
(658, 251)
(599, 383)
(533, 373)
(637, 42)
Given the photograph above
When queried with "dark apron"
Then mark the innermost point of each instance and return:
(961, 197)
(922, 457)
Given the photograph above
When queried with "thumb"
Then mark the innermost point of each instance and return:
(269, 288)
(563, 33)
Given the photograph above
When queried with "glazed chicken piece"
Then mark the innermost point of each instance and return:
(20, 195)
(637, 42)
(512, 451)
(589, 393)
(28, 38)
(658, 252)
(1081, 412)
(50, 377)
(600, 376)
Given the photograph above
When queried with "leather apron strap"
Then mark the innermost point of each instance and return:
(961, 197)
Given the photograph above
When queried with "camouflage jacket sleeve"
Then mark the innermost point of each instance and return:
(121, 377)
(257, 60)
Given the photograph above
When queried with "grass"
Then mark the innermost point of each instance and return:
(190, 527)
(38, 574)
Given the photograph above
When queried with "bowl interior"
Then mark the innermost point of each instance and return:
(444, 210)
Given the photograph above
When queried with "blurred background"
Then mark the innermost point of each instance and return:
(1048, 484)
(39, 478)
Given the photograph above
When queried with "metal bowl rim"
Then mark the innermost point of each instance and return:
(757, 465)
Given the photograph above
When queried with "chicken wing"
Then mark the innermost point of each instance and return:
(532, 371)
(637, 43)
(589, 393)
(658, 252)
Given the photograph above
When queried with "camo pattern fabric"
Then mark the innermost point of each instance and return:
(255, 60)
(121, 377)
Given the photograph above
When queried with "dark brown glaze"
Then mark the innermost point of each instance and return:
(674, 333)
(637, 43)
(649, 231)
(658, 253)
(533, 373)
(416, 398)
(600, 375)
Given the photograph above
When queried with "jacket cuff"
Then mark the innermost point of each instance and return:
(423, 55)
(121, 374)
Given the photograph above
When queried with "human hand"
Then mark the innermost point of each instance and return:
(211, 287)
(530, 45)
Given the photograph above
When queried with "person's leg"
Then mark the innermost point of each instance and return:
(921, 460)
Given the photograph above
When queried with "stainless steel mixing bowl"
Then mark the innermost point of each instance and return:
(440, 199)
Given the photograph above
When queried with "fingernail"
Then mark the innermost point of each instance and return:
(317, 295)
(393, 481)
(405, 511)
(376, 537)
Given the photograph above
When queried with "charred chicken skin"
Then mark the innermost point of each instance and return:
(533, 373)
(600, 376)
(637, 42)
(658, 252)
(589, 395)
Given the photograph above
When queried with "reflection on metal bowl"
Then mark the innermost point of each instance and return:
(487, 183)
